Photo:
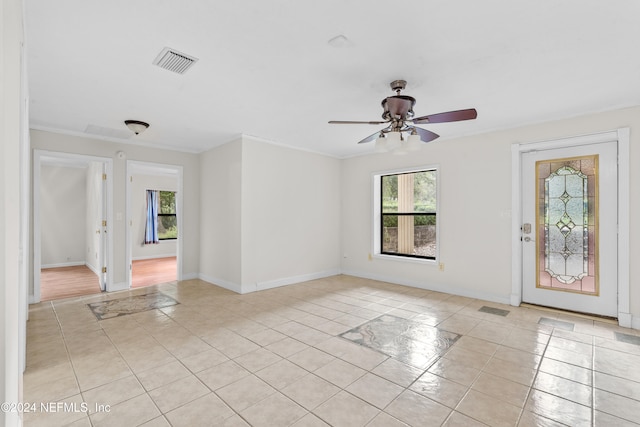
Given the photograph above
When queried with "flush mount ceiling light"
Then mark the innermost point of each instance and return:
(136, 126)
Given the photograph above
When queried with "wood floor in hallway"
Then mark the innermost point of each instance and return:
(65, 282)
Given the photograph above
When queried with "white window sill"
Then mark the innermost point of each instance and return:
(400, 258)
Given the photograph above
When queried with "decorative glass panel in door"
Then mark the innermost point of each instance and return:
(567, 224)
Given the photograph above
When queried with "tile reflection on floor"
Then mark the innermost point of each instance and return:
(411, 342)
(339, 351)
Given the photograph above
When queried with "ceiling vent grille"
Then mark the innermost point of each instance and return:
(172, 60)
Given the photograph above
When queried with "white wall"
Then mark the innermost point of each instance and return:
(12, 105)
(139, 187)
(62, 215)
(475, 204)
(270, 215)
(191, 181)
(290, 215)
(220, 198)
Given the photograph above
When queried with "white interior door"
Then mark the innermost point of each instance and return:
(570, 226)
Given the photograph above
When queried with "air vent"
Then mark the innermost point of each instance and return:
(172, 60)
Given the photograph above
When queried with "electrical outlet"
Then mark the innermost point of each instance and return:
(441, 266)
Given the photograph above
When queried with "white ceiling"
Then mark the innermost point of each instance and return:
(266, 68)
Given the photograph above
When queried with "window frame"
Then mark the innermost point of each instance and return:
(377, 222)
(175, 215)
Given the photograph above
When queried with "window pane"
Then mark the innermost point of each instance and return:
(424, 191)
(409, 192)
(390, 193)
(167, 227)
(167, 202)
(413, 235)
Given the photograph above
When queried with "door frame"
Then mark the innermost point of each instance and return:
(517, 149)
(160, 169)
(38, 157)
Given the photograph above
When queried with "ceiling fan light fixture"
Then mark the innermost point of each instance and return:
(394, 140)
(414, 143)
(136, 126)
(381, 145)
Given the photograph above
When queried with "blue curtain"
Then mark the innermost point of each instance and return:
(151, 229)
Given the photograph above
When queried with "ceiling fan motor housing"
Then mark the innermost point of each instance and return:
(398, 107)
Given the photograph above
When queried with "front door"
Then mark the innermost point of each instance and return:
(569, 228)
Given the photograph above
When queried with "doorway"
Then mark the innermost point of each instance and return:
(71, 216)
(154, 261)
(571, 224)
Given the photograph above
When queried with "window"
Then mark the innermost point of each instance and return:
(167, 220)
(406, 218)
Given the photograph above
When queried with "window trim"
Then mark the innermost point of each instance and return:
(376, 222)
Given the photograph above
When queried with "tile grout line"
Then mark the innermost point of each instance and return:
(535, 377)
(593, 381)
(66, 348)
(469, 388)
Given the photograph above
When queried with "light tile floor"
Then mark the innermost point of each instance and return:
(276, 358)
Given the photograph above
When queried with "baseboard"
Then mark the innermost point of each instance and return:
(92, 268)
(142, 258)
(448, 289)
(270, 284)
(63, 264)
(235, 287)
(190, 276)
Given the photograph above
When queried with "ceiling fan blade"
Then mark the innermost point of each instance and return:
(369, 138)
(351, 122)
(426, 135)
(451, 116)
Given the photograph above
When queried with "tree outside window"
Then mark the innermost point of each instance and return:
(167, 218)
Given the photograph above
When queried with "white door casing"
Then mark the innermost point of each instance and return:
(622, 137)
(147, 168)
(42, 156)
(604, 299)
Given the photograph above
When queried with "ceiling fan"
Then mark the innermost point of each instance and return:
(398, 113)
